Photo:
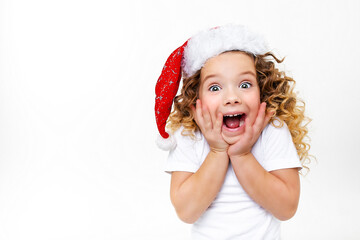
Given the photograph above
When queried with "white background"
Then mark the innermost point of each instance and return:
(77, 128)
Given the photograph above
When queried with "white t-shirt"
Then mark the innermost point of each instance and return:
(233, 214)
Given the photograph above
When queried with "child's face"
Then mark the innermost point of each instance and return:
(228, 85)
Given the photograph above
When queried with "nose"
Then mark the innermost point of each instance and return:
(231, 97)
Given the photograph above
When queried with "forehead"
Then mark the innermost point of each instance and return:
(234, 62)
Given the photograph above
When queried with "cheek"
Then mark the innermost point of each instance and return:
(254, 105)
(208, 100)
(211, 102)
(257, 104)
(255, 108)
(254, 100)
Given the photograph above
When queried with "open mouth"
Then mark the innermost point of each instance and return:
(234, 121)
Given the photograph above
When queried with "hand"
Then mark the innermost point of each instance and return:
(252, 132)
(210, 127)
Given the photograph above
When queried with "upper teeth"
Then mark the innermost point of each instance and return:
(235, 115)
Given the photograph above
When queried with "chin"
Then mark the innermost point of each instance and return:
(231, 139)
(232, 135)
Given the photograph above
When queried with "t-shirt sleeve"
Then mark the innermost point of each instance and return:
(183, 157)
(279, 149)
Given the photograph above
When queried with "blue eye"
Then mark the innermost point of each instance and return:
(245, 85)
(214, 88)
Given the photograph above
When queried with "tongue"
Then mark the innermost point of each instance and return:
(232, 122)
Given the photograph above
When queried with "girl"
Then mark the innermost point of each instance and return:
(237, 135)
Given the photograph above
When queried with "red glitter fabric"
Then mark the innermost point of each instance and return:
(167, 87)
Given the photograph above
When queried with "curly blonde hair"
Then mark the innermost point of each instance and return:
(276, 89)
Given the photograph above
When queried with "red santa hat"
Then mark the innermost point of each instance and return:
(190, 57)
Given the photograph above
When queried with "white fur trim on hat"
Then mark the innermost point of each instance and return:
(210, 43)
(166, 144)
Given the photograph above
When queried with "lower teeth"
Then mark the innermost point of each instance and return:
(241, 123)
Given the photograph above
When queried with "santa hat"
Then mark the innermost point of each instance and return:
(191, 57)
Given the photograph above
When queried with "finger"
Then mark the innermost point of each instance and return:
(248, 129)
(193, 111)
(218, 123)
(268, 116)
(207, 118)
(259, 122)
(198, 114)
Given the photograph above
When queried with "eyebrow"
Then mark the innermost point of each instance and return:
(243, 73)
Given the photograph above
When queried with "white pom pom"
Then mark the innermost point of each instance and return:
(166, 144)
